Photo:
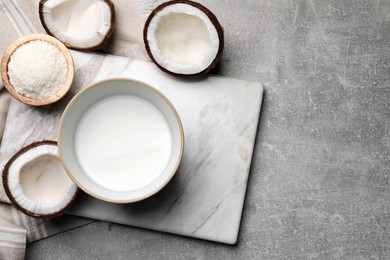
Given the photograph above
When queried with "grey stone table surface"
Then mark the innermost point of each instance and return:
(320, 180)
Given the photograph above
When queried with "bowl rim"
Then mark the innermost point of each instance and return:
(178, 121)
(32, 101)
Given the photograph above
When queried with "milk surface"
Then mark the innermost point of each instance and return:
(123, 142)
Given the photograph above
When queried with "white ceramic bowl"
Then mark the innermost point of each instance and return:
(80, 150)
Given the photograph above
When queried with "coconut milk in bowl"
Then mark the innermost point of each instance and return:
(121, 140)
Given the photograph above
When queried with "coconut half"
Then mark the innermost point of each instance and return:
(184, 38)
(36, 182)
(81, 25)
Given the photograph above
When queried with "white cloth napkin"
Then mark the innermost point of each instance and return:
(16, 19)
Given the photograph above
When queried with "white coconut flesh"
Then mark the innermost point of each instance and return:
(182, 39)
(82, 24)
(39, 183)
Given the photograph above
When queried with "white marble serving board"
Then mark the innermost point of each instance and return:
(220, 117)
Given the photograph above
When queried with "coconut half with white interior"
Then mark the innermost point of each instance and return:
(36, 182)
(81, 25)
(184, 38)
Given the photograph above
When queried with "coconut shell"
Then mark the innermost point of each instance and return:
(213, 20)
(11, 197)
(100, 45)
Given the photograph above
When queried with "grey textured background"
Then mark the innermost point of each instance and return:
(319, 186)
